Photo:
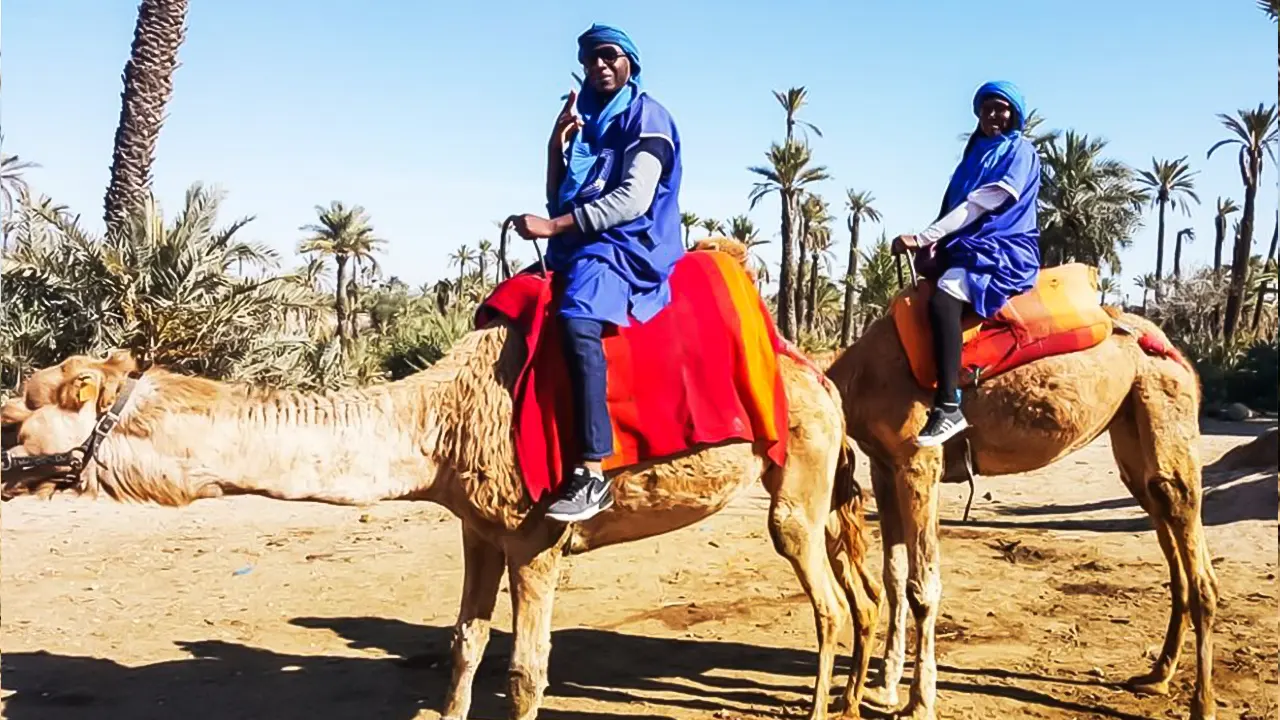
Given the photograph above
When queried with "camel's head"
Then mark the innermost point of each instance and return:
(54, 415)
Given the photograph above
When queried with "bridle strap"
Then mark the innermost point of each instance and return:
(76, 458)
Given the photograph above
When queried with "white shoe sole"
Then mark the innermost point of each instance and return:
(940, 439)
(581, 516)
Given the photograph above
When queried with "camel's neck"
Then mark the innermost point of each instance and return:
(188, 438)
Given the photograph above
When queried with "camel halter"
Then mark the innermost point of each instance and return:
(76, 458)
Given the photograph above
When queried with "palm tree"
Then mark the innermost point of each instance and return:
(1171, 184)
(148, 85)
(787, 173)
(1268, 266)
(879, 281)
(817, 235)
(1226, 206)
(463, 257)
(791, 101)
(484, 251)
(744, 231)
(859, 206)
(712, 226)
(12, 184)
(1187, 234)
(343, 233)
(1106, 286)
(1256, 133)
(1090, 206)
(1148, 283)
(688, 220)
(1272, 10)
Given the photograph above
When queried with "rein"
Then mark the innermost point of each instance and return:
(79, 456)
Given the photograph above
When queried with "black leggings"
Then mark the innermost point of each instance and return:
(944, 319)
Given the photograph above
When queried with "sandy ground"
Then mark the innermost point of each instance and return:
(250, 608)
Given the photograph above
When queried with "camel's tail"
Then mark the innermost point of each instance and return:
(847, 503)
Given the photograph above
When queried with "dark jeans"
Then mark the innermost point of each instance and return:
(944, 319)
(584, 351)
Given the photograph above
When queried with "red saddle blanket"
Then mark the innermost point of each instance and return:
(1061, 314)
(703, 370)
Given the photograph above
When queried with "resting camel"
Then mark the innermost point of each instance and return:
(444, 435)
(1022, 420)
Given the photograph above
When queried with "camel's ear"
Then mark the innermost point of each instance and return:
(124, 361)
(84, 388)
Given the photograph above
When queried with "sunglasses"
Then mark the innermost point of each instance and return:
(607, 54)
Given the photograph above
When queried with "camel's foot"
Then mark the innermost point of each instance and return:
(916, 710)
(881, 698)
(1151, 683)
(1200, 712)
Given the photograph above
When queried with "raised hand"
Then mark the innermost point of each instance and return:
(567, 123)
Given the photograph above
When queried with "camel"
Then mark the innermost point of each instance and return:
(443, 435)
(1022, 420)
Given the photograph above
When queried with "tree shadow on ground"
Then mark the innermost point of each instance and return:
(224, 680)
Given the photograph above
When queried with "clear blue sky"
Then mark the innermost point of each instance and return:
(434, 115)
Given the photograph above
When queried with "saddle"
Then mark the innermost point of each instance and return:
(703, 370)
(1063, 313)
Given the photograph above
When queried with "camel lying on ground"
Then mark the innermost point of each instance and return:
(1020, 421)
(444, 436)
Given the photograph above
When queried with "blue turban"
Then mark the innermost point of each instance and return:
(1007, 91)
(598, 35)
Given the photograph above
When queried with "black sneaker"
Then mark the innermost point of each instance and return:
(586, 494)
(943, 424)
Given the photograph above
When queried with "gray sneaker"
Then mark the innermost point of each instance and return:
(943, 424)
(585, 495)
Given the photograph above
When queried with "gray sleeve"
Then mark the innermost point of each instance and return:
(628, 201)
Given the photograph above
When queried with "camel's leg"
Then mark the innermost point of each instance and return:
(894, 571)
(918, 504)
(1128, 454)
(797, 525)
(1163, 426)
(533, 584)
(483, 564)
(846, 549)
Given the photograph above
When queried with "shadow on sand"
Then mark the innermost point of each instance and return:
(226, 680)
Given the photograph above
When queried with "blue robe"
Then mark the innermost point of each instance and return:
(622, 272)
(1000, 252)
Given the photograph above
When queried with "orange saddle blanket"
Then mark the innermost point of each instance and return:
(1061, 314)
(703, 370)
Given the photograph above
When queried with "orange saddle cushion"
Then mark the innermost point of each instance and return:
(1061, 314)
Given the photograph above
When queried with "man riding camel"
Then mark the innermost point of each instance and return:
(614, 232)
(985, 242)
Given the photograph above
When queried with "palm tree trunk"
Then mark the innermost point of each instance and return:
(787, 274)
(850, 278)
(802, 265)
(1177, 256)
(1219, 238)
(811, 303)
(1240, 264)
(687, 228)
(1160, 250)
(1262, 291)
(353, 302)
(148, 85)
(340, 299)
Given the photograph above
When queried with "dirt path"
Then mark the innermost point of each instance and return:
(249, 608)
